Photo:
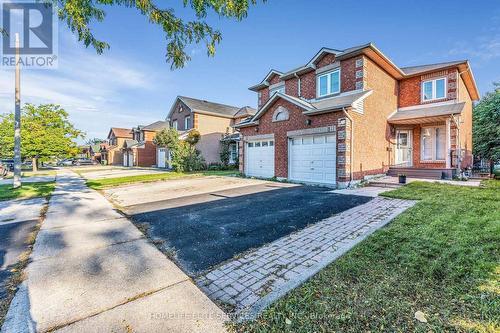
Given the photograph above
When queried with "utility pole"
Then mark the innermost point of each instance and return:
(17, 121)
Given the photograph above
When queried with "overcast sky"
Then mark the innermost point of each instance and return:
(131, 84)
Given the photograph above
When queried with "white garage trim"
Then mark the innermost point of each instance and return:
(313, 158)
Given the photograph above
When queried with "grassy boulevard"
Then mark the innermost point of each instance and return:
(441, 257)
(99, 184)
(26, 191)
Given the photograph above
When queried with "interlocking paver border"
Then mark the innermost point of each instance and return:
(252, 282)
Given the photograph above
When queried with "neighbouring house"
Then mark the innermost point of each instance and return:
(214, 121)
(112, 154)
(96, 151)
(350, 114)
(140, 150)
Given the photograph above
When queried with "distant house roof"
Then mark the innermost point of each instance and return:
(121, 132)
(209, 108)
(156, 126)
(245, 112)
(426, 113)
(129, 143)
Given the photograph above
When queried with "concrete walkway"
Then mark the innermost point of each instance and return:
(93, 271)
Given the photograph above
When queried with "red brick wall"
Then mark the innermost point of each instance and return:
(296, 121)
(348, 75)
(308, 85)
(264, 93)
(146, 157)
(292, 87)
(180, 116)
(410, 90)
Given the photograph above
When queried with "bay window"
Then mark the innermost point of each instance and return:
(433, 89)
(328, 83)
(433, 143)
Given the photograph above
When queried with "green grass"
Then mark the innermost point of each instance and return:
(99, 184)
(32, 174)
(27, 190)
(441, 257)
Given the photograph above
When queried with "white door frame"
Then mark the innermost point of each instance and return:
(404, 150)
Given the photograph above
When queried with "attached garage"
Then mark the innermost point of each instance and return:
(312, 158)
(260, 158)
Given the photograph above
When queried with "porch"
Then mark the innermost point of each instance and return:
(424, 141)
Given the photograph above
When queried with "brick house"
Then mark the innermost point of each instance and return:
(112, 153)
(140, 150)
(350, 114)
(212, 120)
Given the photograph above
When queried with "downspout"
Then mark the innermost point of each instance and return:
(351, 145)
(298, 85)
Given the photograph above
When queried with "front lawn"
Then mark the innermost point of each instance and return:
(441, 257)
(99, 184)
(27, 190)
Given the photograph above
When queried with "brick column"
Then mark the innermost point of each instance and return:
(343, 150)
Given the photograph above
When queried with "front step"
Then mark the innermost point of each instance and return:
(420, 173)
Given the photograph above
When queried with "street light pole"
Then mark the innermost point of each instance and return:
(17, 122)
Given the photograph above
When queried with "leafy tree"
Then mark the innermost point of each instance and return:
(184, 155)
(167, 138)
(46, 133)
(486, 126)
(79, 14)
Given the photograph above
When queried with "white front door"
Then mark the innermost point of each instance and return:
(404, 148)
(130, 159)
(259, 161)
(125, 159)
(312, 159)
(162, 157)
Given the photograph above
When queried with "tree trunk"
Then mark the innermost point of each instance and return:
(35, 164)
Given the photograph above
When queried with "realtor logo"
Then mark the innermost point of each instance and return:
(36, 24)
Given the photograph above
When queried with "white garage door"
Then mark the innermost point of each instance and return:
(260, 158)
(313, 159)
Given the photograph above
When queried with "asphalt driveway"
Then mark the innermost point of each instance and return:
(203, 230)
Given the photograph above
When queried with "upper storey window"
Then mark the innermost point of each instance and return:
(274, 90)
(328, 83)
(433, 89)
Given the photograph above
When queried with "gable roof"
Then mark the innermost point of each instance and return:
(120, 132)
(339, 102)
(205, 107)
(156, 126)
(265, 82)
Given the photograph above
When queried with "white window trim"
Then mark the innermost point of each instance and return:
(434, 98)
(175, 125)
(433, 145)
(328, 83)
(186, 120)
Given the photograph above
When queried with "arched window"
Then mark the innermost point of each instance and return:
(281, 114)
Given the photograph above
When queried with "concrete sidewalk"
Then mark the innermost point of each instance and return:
(92, 270)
